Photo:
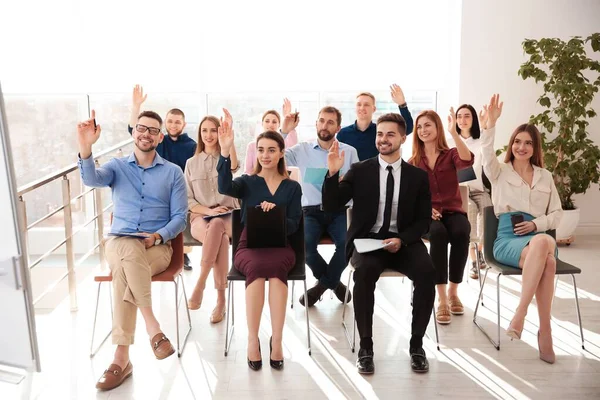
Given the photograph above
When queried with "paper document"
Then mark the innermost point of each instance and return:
(367, 245)
(207, 217)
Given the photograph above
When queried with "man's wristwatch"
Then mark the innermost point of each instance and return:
(157, 240)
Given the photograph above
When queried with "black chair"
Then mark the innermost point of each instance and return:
(298, 273)
(490, 223)
(188, 239)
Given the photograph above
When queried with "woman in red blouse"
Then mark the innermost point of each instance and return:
(450, 224)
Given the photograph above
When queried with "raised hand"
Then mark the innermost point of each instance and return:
(228, 117)
(225, 137)
(335, 158)
(397, 94)
(138, 96)
(494, 110)
(88, 133)
(290, 122)
(483, 117)
(287, 107)
(452, 122)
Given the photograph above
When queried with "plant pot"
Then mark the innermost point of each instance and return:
(568, 223)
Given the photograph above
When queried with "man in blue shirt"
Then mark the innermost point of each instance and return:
(361, 134)
(311, 159)
(176, 146)
(150, 207)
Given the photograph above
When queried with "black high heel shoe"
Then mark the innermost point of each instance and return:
(255, 365)
(275, 364)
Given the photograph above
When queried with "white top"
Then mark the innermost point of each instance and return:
(474, 146)
(383, 174)
(510, 193)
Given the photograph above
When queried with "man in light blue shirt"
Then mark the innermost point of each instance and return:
(150, 207)
(311, 159)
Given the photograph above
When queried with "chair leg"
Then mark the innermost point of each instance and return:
(292, 301)
(228, 330)
(435, 324)
(92, 350)
(307, 322)
(496, 344)
(181, 346)
(346, 332)
(578, 311)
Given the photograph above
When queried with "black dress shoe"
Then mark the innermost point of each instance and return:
(365, 364)
(418, 360)
(187, 263)
(275, 364)
(340, 292)
(313, 294)
(255, 365)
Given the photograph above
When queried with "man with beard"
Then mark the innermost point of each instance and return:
(391, 203)
(150, 207)
(311, 159)
(177, 147)
(361, 134)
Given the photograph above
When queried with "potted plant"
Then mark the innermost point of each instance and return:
(570, 80)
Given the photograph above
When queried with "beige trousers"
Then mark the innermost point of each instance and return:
(132, 267)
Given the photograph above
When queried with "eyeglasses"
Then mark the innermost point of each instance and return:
(143, 128)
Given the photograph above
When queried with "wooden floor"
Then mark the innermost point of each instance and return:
(468, 366)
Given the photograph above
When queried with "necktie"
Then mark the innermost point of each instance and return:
(389, 195)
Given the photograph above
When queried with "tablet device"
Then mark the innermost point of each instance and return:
(467, 174)
(266, 229)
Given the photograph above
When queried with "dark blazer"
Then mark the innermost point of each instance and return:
(361, 184)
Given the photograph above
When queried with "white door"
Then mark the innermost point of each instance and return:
(18, 341)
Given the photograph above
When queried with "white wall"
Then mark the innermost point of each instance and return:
(491, 53)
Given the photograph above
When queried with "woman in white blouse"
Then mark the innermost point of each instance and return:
(522, 187)
(467, 126)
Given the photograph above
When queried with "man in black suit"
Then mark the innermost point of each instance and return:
(392, 202)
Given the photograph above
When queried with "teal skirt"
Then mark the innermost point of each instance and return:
(508, 246)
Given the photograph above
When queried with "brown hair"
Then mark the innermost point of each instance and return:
(281, 167)
(366, 94)
(332, 110)
(537, 158)
(151, 114)
(418, 147)
(394, 117)
(200, 145)
(275, 113)
(176, 111)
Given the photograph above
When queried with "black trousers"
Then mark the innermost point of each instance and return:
(412, 261)
(453, 228)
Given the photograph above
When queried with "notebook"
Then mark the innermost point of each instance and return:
(266, 229)
(467, 174)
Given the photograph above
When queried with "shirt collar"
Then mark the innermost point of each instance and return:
(372, 125)
(384, 164)
(205, 156)
(315, 145)
(157, 159)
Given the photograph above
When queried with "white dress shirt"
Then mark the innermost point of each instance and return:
(383, 175)
(510, 193)
(474, 145)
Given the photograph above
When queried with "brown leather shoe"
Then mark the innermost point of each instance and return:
(114, 376)
(161, 346)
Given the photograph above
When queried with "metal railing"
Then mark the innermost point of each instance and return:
(67, 201)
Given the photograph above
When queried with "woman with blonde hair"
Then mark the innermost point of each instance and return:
(450, 225)
(526, 203)
(271, 121)
(206, 205)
